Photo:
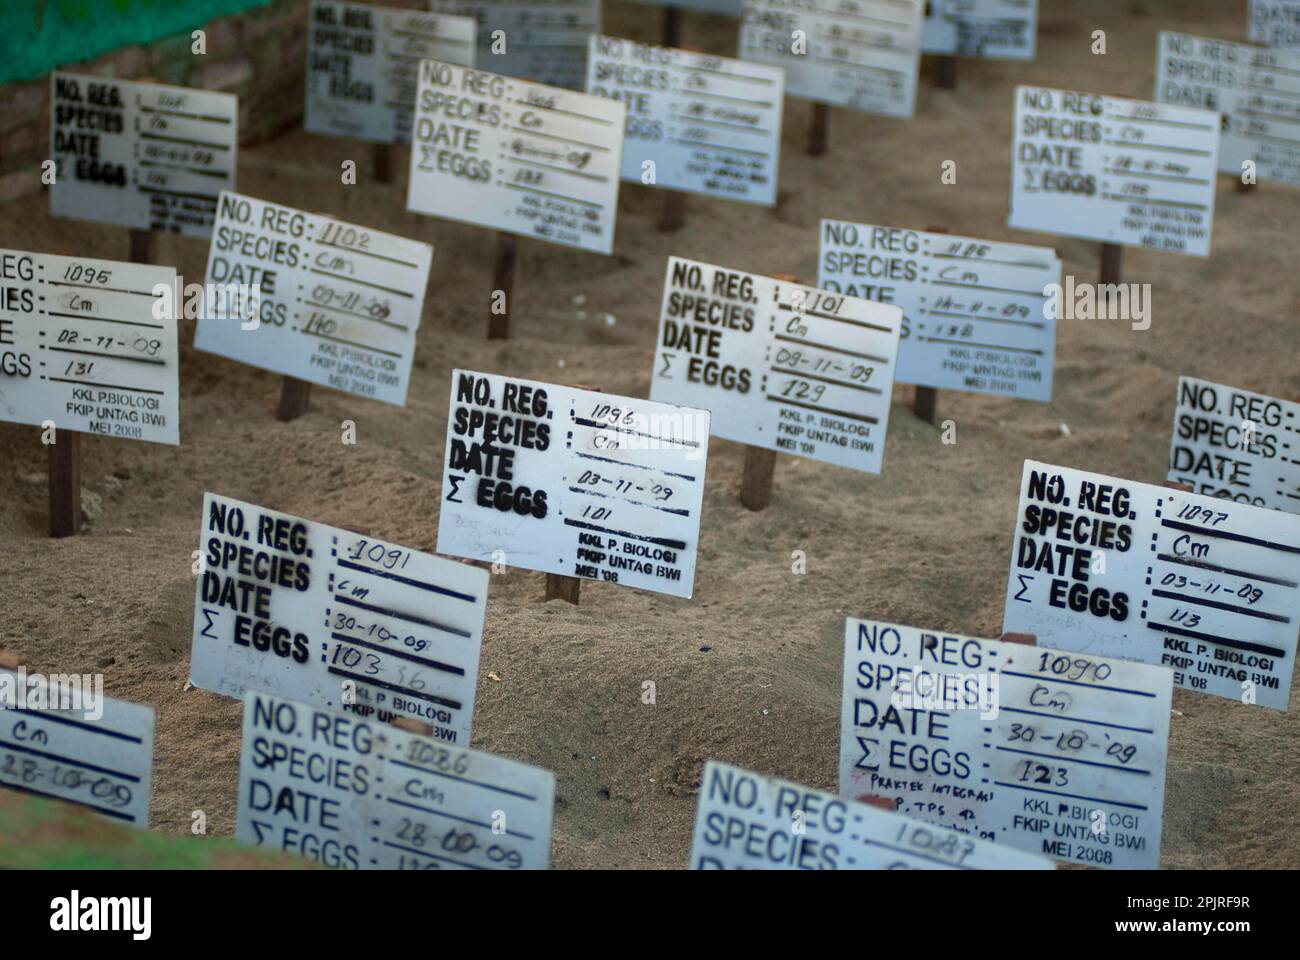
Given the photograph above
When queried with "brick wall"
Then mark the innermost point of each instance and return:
(259, 55)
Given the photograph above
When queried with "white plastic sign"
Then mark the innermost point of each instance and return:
(978, 315)
(1236, 444)
(56, 742)
(361, 66)
(141, 155)
(90, 345)
(354, 794)
(779, 365)
(746, 821)
(1114, 170)
(335, 619)
(328, 302)
(516, 156)
(1058, 754)
(573, 482)
(695, 122)
(721, 8)
(1112, 568)
(862, 55)
(1257, 92)
(540, 40)
(1274, 23)
(993, 29)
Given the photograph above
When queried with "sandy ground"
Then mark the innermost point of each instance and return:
(748, 671)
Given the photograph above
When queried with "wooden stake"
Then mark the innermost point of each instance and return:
(411, 725)
(756, 481)
(295, 394)
(65, 483)
(819, 131)
(673, 215)
(1244, 187)
(946, 72)
(8, 660)
(925, 404)
(672, 27)
(142, 246)
(1112, 263)
(382, 160)
(560, 587)
(1028, 639)
(503, 279)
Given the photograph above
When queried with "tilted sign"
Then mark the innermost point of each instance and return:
(313, 298)
(1114, 170)
(1062, 755)
(336, 619)
(573, 482)
(61, 738)
(1113, 568)
(778, 364)
(977, 315)
(353, 794)
(696, 122)
(90, 345)
(745, 821)
(516, 156)
(995, 29)
(862, 55)
(540, 40)
(1236, 444)
(362, 66)
(1257, 92)
(141, 155)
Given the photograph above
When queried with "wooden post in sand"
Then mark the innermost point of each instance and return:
(819, 131)
(295, 395)
(503, 280)
(65, 483)
(945, 71)
(142, 246)
(1112, 263)
(1028, 639)
(382, 159)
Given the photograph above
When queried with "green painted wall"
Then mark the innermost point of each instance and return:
(37, 36)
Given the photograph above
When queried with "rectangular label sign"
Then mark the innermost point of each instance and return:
(993, 29)
(335, 619)
(1114, 170)
(1257, 92)
(609, 491)
(778, 365)
(56, 743)
(516, 156)
(362, 66)
(1113, 568)
(1236, 444)
(746, 821)
(706, 124)
(89, 344)
(355, 794)
(862, 55)
(327, 302)
(1061, 755)
(977, 314)
(141, 155)
(540, 40)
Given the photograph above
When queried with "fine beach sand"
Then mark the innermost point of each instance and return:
(749, 670)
